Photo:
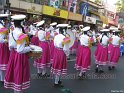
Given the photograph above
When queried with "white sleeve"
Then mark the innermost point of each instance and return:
(11, 41)
(2, 40)
(40, 35)
(21, 48)
(52, 34)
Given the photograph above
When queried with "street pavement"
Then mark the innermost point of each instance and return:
(109, 82)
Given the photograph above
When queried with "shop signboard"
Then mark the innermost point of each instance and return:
(98, 22)
(47, 10)
(34, 10)
(111, 15)
(90, 20)
(56, 12)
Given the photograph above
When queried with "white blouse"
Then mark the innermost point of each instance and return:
(41, 35)
(58, 40)
(105, 40)
(33, 30)
(2, 36)
(84, 40)
(12, 42)
(21, 48)
(115, 40)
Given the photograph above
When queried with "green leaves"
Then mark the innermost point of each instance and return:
(120, 5)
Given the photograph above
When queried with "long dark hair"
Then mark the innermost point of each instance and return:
(85, 32)
(104, 34)
(17, 23)
(61, 31)
(116, 33)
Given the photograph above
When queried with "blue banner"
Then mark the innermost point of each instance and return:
(84, 9)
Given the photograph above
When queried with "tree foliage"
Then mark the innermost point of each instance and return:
(120, 5)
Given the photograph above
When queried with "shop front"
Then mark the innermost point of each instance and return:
(74, 19)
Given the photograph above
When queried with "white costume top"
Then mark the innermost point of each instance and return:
(58, 42)
(115, 40)
(12, 42)
(99, 38)
(45, 35)
(41, 35)
(105, 40)
(21, 47)
(53, 30)
(84, 40)
(33, 30)
(2, 36)
(1, 26)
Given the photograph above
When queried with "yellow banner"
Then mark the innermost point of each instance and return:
(47, 10)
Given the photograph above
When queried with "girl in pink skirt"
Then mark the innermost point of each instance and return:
(83, 58)
(59, 66)
(44, 62)
(115, 50)
(102, 55)
(18, 75)
(54, 32)
(98, 46)
(4, 50)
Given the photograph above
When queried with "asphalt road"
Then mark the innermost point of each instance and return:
(109, 82)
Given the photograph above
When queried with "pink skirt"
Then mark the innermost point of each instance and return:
(97, 50)
(102, 56)
(59, 66)
(75, 46)
(109, 48)
(4, 56)
(78, 50)
(51, 49)
(73, 49)
(114, 55)
(17, 75)
(83, 59)
(35, 40)
(44, 61)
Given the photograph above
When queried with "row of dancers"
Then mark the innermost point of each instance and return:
(54, 41)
